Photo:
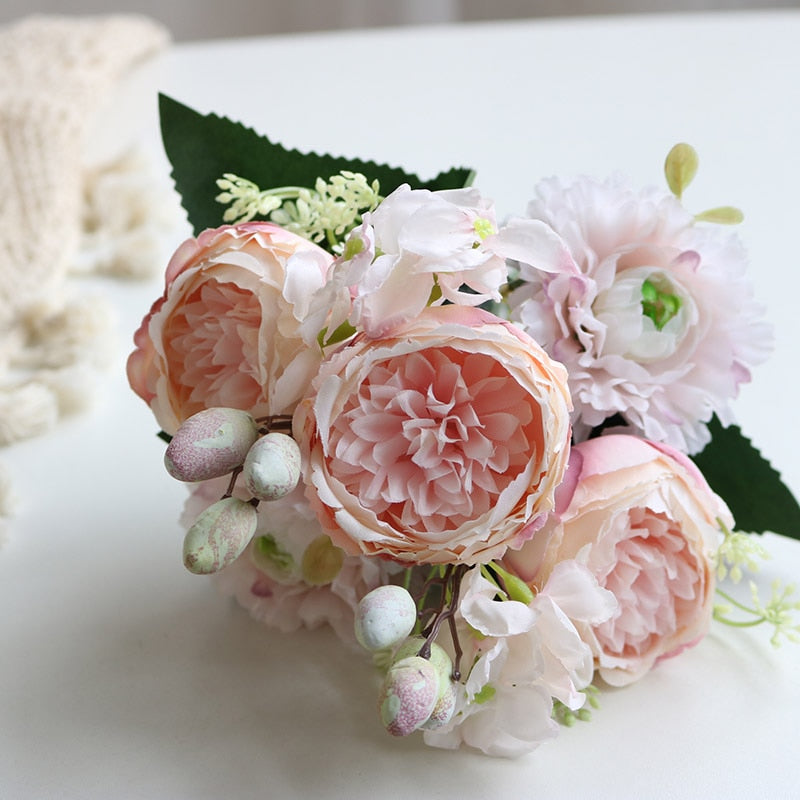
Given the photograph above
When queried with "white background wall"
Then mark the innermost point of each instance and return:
(202, 19)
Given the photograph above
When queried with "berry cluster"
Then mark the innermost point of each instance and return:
(226, 441)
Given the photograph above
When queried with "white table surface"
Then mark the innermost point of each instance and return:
(122, 676)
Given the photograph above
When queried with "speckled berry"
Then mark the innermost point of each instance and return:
(443, 666)
(384, 617)
(408, 695)
(219, 535)
(272, 466)
(443, 708)
(438, 657)
(209, 444)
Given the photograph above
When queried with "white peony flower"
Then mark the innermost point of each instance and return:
(650, 312)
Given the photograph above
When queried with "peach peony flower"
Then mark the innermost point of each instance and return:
(226, 330)
(651, 313)
(642, 519)
(442, 442)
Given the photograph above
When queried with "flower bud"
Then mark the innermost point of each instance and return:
(272, 466)
(209, 444)
(384, 617)
(408, 695)
(322, 561)
(273, 559)
(219, 535)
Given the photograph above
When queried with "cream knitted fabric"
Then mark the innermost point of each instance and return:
(54, 73)
(64, 209)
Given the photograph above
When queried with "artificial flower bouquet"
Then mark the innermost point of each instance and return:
(482, 449)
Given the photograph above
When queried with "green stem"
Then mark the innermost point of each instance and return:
(287, 192)
(740, 624)
(736, 603)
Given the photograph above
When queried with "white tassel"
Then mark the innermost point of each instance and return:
(26, 410)
(78, 332)
(129, 213)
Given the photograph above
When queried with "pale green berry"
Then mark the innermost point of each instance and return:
(210, 443)
(272, 466)
(384, 617)
(408, 695)
(219, 535)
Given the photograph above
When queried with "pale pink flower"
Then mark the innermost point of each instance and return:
(226, 331)
(268, 581)
(522, 656)
(664, 369)
(642, 519)
(417, 247)
(442, 442)
(289, 606)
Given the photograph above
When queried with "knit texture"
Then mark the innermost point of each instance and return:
(63, 211)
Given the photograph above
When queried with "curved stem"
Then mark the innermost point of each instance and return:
(736, 603)
(740, 624)
(275, 422)
(232, 483)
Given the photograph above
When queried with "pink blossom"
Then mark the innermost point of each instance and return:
(442, 442)
(269, 581)
(417, 247)
(522, 656)
(226, 330)
(643, 520)
(665, 369)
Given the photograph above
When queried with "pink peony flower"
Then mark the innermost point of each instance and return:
(442, 442)
(642, 519)
(415, 246)
(226, 330)
(650, 312)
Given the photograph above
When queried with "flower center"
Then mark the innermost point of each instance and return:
(432, 438)
(483, 227)
(660, 306)
(645, 315)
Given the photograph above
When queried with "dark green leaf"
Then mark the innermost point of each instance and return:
(203, 147)
(748, 483)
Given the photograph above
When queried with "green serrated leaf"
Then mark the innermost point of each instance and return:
(723, 215)
(201, 148)
(680, 168)
(747, 482)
